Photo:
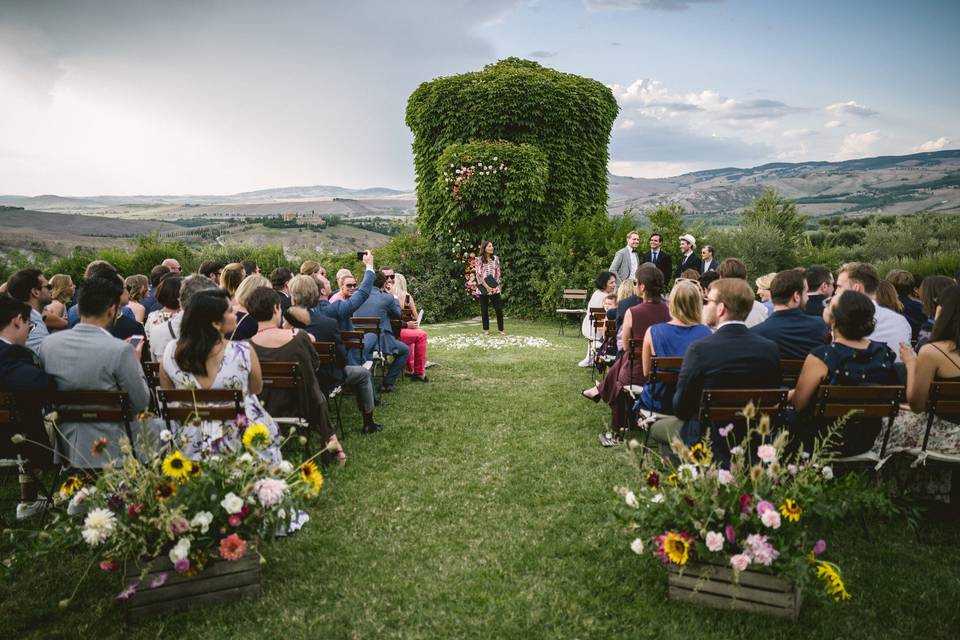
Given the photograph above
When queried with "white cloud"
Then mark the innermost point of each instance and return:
(654, 5)
(858, 145)
(798, 133)
(640, 169)
(833, 124)
(651, 98)
(850, 108)
(626, 124)
(931, 145)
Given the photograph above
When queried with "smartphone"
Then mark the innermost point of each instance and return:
(135, 340)
(360, 255)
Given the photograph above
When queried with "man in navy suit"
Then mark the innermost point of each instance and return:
(732, 358)
(708, 260)
(384, 306)
(794, 331)
(659, 257)
(820, 286)
(688, 258)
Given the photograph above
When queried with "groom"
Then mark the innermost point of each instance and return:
(626, 261)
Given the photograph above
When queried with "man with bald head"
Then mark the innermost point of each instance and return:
(172, 264)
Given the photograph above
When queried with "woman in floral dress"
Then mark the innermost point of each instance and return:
(203, 358)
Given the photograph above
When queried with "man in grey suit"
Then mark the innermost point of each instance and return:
(384, 306)
(88, 358)
(626, 261)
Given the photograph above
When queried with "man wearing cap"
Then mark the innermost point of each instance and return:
(688, 259)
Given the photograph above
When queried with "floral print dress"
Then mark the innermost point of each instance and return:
(212, 436)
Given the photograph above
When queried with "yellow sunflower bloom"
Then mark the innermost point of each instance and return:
(311, 476)
(176, 466)
(674, 547)
(700, 454)
(832, 582)
(791, 510)
(70, 486)
(165, 491)
(256, 437)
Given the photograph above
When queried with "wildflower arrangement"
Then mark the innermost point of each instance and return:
(755, 515)
(221, 505)
(459, 175)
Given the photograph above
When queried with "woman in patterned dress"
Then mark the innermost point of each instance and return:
(489, 284)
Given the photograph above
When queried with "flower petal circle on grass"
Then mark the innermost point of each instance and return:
(459, 341)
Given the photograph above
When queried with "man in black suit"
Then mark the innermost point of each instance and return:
(732, 358)
(661, 259)
(795, 332)
(688, 259)
(819, 288)
(707, 259)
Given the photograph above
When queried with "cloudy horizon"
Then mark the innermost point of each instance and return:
(214, 97)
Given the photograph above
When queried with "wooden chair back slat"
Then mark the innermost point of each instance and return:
(151, 371)
(326, 351)
(352, 339)
(728, 404)
(280, 375)
(209, 404)
(864, 401)
(944, 399)
(662, 369)
(790, 369)
(395, 326)
(574, 294)
(406, 314)
(611, 330)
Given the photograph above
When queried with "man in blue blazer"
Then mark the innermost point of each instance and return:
(384, 306)
(795, 332)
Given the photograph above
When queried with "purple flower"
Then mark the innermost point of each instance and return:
(126, 593)
(160, 580)
(182, 566)
(763, 506)
(116, 503)
(725, 431)
(819, 547)
(730, 534)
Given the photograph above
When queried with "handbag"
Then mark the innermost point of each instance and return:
(491, 282)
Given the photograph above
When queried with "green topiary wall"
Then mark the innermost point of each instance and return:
(501, 152)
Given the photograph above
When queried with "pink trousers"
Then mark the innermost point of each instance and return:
(416, 339)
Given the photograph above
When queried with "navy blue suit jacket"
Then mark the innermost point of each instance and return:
(795, 332)
(732, 358)
(343, 310)
(19, 371)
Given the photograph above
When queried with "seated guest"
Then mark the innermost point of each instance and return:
(340, 293)
(124, 325)
(763, 290)
(606, 283)
(851, 359)
(353, 298)
(671, 340)
(168, 300)
(98, 267)
(89, 358)
(203, 358)
(735, 268)
(304, 296)
(384, 306)
(891, 327)
(211, 269)
(912, 307)
(155, 276)
(795, 332)
(230, 278)
(167, 331)
(312, 268)
(731, 358)
(274, 344)
(938, 361)
(640, 317)
(137, 287)
(930, 291)
(887, 297)
(30, 287)
(626, 298)
(707, 279)
(246, 325)
(279, 278)
(410, 332)
(173, 264)
(61, 292)
(18, 371)
(819, 288)
(250, 268)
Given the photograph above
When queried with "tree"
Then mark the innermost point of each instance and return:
(772, 209)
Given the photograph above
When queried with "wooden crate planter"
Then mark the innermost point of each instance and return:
(715, 586)
(220, 581)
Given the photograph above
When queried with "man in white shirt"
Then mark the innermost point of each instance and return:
(163, 333)
(891, 328)
(735, 268)
(626, 261)
(31, 287)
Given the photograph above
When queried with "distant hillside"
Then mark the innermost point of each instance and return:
(888, 184)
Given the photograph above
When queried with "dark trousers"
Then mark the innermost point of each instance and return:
(497, 301)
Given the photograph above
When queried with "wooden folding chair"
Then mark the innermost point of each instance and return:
(22, 414)
(943, 401)
(663, 370)
(727, 404)
(88, 407)
(151, 371)
(865, 401)
(571, 295)
(285, 376)
(790, 370)
(188, 406)
(327, 352)
(372, 325)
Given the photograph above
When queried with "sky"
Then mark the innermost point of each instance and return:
(223, 96)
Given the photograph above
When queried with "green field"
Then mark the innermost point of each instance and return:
(484, 510)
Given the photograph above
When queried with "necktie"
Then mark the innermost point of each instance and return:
(655, 254)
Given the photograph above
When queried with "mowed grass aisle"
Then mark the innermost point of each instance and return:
(484, 511)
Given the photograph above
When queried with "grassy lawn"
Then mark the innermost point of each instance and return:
(484, 511)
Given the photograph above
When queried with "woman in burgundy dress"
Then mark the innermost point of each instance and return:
(638, 319)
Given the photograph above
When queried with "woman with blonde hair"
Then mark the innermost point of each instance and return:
(137, 287)
(763, 290)
(62, 290)
(312, 267)
(410, 333)
(342, 274)
(246, 324)
(230, 278)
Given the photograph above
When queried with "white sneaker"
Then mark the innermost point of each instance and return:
(29, 509)
(586, 363)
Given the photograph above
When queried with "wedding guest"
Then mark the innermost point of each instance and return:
(210, 269)
(735, 268)
(626, 298)
(275, 344)
(708, 260)
(312, 268)
(763, 291)
(137, 287)
(903, 282)
(168, 301)
(891, 327)
(165, 332)
(384, 306)
(279, 278)
(411, 334)
(246, 325)
(250, 268)
(172, 264)
(338, 295)
(931, 289)
(62, 290)
(626, 260)
(155, 276)
(819, 287)
(688, 259)
(93, 268)
(230, 278)
(18, 371)
(605, 284)
(887, 298)
(203, 357)
(658, 257)
(795, 332)
(31, 287)
(490, 285)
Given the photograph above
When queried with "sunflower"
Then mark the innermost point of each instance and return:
(832, 582)
(165, 491)
(194, 469)
(672, 479)
(791, 510)
(176, 466)
(674, 547)
(256, 437)
(700, 454)
(311, 475)
(99, 446)
(70, 486)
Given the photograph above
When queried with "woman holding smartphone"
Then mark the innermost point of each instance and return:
(489, 283)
